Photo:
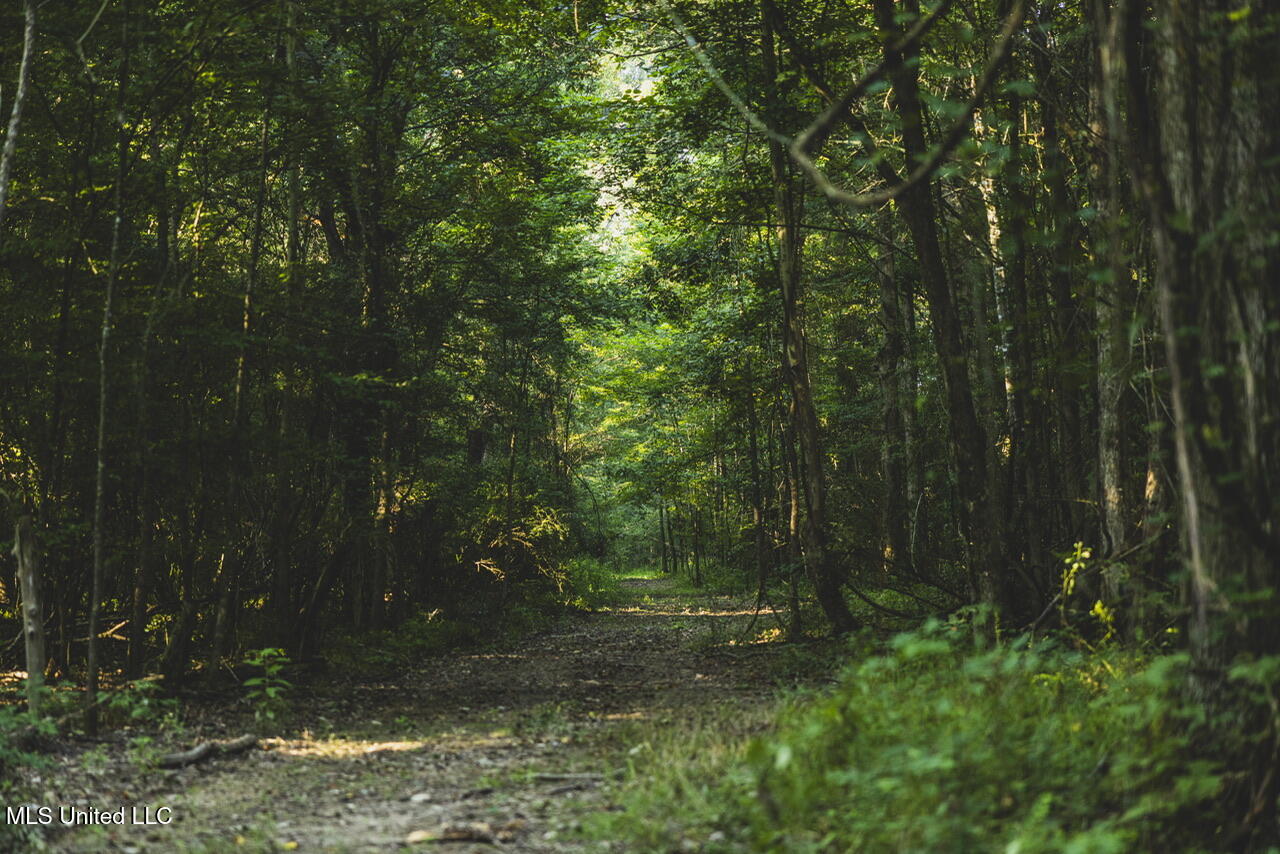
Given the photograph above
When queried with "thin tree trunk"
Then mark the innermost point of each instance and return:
(1062, 415)
(1113, 298)
(759, 536)
(26, 551)
(696, 533)
(795, 556)
(282, 605)
(895, 514)
(662, 534)
(917, 505)
(99, 500)
(147, 509)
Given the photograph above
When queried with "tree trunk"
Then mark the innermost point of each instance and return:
(99, 501)
(917, 505)
(1113, 299)
(662, 534)
(26, 550)
(1205, 144)
(895, 514)
(803, 415)
(795, 557)
(759, 536)
(980, 514)
(1065, 459)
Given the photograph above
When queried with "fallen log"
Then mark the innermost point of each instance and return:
(206, 750)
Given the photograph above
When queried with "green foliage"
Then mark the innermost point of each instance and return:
(138, 703)
(935, 746)
(592, 584)
(268, 693)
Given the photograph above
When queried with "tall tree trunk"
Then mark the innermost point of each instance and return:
(1111, 301)
(662, 533)
(1008, 211)
(759, 536)
(1064, 459)
(795, 557)
(980, 514)
(696, 534)
(917, 505)
(789, 204)
(281, 601)
(147, 510)
(100, 481)
(1205, 146)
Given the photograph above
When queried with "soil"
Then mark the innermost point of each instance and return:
(507, 750)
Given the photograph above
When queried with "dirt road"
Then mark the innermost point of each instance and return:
(510, 749)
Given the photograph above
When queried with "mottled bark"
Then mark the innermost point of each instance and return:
(1113, 301)
(1205, 139)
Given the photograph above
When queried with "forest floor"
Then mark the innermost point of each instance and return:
(508, 750)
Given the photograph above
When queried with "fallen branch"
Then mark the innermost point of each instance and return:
(206, 750)
(565, 778)
(581, 786)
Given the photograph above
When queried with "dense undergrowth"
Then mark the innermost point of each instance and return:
(16, 729)
(932, 743)
(584, 584)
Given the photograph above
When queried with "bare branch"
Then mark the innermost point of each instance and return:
(813, 136)
(807, 142)
(803, 147)
(714, 75)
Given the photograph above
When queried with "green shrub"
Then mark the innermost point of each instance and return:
(140, 702)
(936, 746)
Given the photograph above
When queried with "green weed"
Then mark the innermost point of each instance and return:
(268, 693)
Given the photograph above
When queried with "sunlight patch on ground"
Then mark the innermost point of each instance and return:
(336, 747)
(339, 748)
(685, 612)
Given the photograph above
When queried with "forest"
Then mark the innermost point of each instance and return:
(696, 425)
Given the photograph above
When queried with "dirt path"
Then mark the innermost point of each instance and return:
(467, 752)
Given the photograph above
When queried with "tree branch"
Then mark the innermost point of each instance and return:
(812, 137)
